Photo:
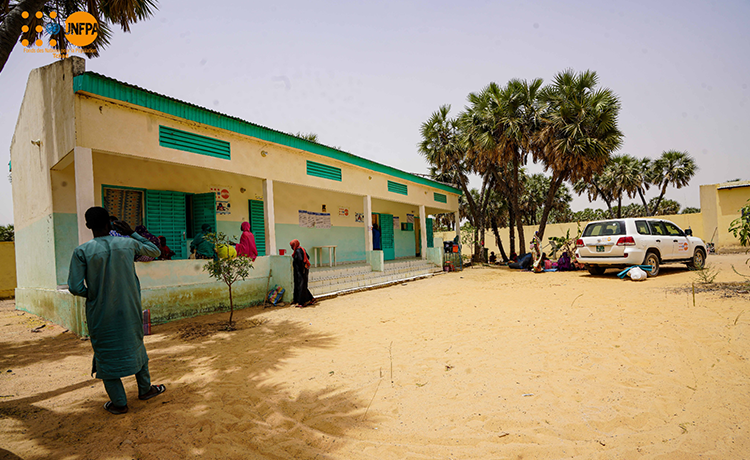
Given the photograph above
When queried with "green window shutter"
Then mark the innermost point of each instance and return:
(324, 171)
(165, 216)
(204, 211)
(386, 236)
(395, 187)
(195, 143)
(258, 225)
(440, 198)
(430, 242)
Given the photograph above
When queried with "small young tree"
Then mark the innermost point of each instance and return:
(740, 227)
(227, 270)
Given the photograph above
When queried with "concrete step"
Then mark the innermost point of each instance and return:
(356, 282)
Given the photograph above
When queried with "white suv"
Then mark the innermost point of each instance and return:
(620, 243)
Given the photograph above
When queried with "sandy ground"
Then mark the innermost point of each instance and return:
(483, 364)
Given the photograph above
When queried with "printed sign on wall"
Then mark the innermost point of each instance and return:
(396, 224)
(314, 219)
(410, 218)
(343, 211)
(359, 217)
(223, 206)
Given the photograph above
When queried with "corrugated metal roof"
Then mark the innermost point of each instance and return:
(101, 85)
(736, 184)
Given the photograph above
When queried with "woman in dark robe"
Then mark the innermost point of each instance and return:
(301, 265)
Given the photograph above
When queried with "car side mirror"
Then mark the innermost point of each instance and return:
(689, 232)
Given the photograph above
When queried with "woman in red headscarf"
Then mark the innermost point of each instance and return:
(301, 265)
(246, 246)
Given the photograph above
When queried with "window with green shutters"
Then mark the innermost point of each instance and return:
(195, 143)
(258, 225)
(324, 171)
(165, 216)
(440, 198)
(204, 211)
(386, 236)
(395, 187)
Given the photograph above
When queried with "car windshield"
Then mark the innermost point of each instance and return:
(612, 227)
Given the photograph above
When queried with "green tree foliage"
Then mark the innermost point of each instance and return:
(740, 227)
(121, 13)
(312, 137)
(672, 168)
(7, 233)
(229, 270)
(690, 210)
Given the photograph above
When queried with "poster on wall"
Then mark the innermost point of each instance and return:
(410, 218)
(343, 211)
(314, 219)
(223, 207)
(396, 224)
(222, 200)
(359, 217)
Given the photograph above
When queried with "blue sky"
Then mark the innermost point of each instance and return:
(365, 75)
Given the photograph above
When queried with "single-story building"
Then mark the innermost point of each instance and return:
(84, 139)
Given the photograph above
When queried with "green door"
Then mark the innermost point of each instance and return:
(258, 225)
(204, 211)
(430, 235)
(386, 236)
(165, 216)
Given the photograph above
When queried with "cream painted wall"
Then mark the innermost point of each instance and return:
(117, 170)
(138, 135)
(720, 206)
(289, 199)
(7, 269)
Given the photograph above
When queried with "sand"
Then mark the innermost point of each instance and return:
(484, 364)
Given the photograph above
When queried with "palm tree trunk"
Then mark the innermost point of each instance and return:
(514, 197)
(554, 184)
(655, 211)
(10, 29)
(498, 241)
(619, 206)
(511, 227)
(643, 200)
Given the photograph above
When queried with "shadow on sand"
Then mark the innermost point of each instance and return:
(221, 400)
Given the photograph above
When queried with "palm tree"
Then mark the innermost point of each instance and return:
(675, 168)
(107, 13)
(622, 177)
(595, 188)
(579, 131)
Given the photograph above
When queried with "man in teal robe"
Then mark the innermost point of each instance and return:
(102, 270)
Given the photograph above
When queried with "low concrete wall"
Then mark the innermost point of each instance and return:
(7, 269)
(171, 290)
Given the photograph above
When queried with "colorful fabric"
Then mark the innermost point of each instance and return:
(246, 246)
(126, 205)
(225, 251)
(102, 271)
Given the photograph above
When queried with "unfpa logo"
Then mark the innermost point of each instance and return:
(81, 29)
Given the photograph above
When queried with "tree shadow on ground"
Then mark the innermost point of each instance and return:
(221, 402)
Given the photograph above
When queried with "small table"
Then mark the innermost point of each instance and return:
(331, 255)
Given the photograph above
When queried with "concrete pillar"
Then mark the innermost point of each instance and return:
(423, 230)
(270, 216)
(458, 226)
(368, 223)
(84, 171)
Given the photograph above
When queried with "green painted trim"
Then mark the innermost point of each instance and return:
(194, 143)
(395, 187)
(439, 197)
(323, 171)
(100, 85)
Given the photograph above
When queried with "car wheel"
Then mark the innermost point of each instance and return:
(598, 271)
(652, 259)
(698, 260)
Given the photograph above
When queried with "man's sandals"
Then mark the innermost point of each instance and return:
(117, 410)
(155, 390)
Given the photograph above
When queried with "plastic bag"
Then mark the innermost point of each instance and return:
(275, 295)
(637, 274)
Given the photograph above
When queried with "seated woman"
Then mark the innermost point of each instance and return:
(202, 248)
(246, 246)
(141, 230)
(166, 253)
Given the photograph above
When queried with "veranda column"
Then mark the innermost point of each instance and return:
(458, 226)
(270, 217)
(423, 230)
(368, 223)
(84, 171)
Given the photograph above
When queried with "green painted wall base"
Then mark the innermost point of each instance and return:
(171, 290)
(376, 260)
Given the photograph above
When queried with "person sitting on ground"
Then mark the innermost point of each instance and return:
(166, 253)
(524, 262)
(493, 258)
(246, 246)
(226, 251)
(102, 271)
(202, 248)
(513, 257)
(564, 263)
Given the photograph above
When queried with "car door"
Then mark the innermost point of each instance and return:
(660, 239)
(680, 242)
